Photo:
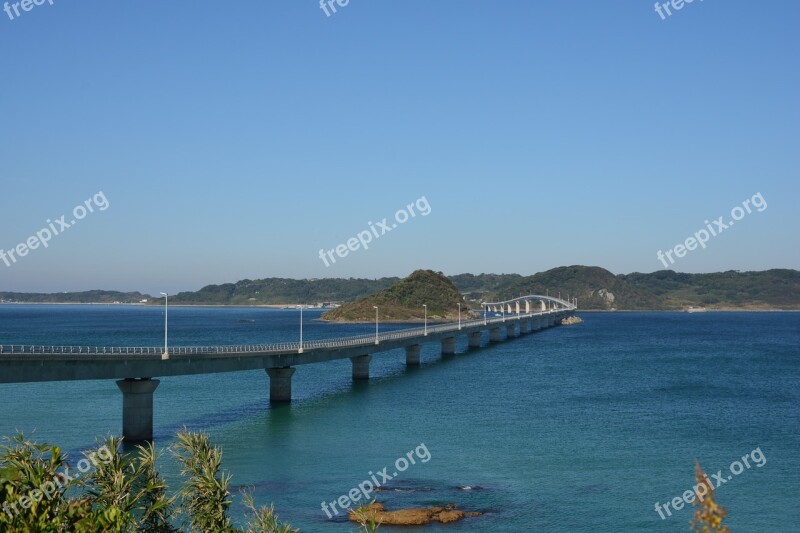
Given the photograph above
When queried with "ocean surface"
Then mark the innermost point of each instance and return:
(576, 428)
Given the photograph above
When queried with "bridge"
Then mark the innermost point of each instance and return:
(135, 367)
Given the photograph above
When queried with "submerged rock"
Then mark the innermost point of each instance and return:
(413, 517)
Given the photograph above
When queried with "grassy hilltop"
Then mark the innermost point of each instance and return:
(403, 301)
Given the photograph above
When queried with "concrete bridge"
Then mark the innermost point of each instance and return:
(135, 367)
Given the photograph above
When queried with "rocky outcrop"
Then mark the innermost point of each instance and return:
(607, 295)
(570, 320)
(413, 517)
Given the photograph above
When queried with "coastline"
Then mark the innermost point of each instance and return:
(137, 304)
(285, 306)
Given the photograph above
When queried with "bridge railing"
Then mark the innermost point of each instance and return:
(284, 347)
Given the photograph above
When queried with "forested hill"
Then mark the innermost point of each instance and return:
(86, 297)
(595, 288)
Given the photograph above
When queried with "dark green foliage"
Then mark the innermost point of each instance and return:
(282, 291)
(404, 301)
(664, 289)
(86, 297)
(123, 493)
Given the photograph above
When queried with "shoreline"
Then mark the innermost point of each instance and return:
(294, 307)
(137, 304)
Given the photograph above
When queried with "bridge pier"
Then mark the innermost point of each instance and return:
(412, 354)
(511, 330)
(361, 367)
(137, 408)
(280, 384)
(475, 339)
(449, 346)
(537, 324)
(524, 327)
(495, 335)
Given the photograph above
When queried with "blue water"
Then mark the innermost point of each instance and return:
(576, 428)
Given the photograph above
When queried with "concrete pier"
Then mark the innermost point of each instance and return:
(412, 354)
(361, 366)
(137, 408)
(280, 384)
(449, 346)
(25, 363)
(475, 339)
(511, 330)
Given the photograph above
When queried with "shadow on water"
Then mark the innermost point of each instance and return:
(280, 412)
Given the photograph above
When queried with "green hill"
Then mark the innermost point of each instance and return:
(271, 291)
(597, 288)
(769, 289)
(85, 297)
(404, 301)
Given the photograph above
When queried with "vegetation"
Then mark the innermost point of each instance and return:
(708, 516)
(274, 291)
(86, 297)
(404, 301)
(595, 288)
(483, 287)
(122, 493)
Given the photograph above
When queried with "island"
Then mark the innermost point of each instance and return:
(407, 300)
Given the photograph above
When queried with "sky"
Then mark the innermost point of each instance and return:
(218, 141)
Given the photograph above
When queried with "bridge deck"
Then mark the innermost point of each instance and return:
(30, 363)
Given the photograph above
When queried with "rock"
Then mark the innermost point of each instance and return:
(413, 517)
(570, 320)
(607, 295)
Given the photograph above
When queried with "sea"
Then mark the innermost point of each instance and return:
(581, 428)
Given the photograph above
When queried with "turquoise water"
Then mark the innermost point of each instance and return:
(576, 428)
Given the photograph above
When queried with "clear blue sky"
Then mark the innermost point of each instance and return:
(237, 139)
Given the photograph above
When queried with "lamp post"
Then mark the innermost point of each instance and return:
(484, 315)
(459, 316)
(376, 323)
(426, 318)
(503, 305)
(165, 355)
(301, 329)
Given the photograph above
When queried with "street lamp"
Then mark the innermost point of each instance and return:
(459, 316)
(376, 323)
(503, 306)
(301, 329)
(426, 318)
(165, 355)
(484, 315)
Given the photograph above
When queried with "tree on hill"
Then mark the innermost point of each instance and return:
(404, 301)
